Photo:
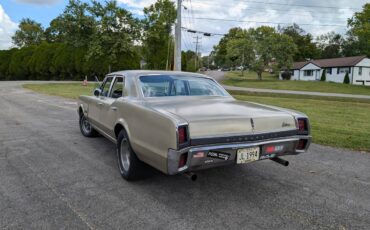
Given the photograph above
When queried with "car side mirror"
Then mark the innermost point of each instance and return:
(97, 92)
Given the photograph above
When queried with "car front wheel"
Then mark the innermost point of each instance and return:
(129, 165)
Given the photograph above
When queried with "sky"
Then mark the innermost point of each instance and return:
(213, 16)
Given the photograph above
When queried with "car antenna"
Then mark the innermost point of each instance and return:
(97, 79)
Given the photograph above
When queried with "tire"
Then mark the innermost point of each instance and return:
(86, 129)
(130, 167)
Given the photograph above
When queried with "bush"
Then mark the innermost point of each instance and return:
(323, 75)
(346, 79)
(286, 75)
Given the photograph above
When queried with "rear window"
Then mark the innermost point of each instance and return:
(168, 85)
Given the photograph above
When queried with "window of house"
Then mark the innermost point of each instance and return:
(360, 71)
(328, 70)
(344, 70)
(308, 73)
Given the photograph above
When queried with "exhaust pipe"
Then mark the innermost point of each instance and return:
(191, 176)
(280, 161)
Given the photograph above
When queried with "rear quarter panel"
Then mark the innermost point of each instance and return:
(151, 133)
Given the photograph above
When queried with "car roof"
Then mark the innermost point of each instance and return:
(136, 73)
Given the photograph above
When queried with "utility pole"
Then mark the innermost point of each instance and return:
(243, 62)
(177, 59)
(196, 51)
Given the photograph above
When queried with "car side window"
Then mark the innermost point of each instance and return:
(118, 88)
(106, 86)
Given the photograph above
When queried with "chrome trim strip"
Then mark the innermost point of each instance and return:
(241, 145)
(243, 138)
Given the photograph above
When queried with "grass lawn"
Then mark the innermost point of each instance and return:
(69, 90)
(270, 82)
(337, 122)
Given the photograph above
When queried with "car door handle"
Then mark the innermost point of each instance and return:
(114, 108)
(100, 103)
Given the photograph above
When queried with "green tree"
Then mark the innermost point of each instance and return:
(221, 56)
(40, 63)
(62, 64)
(5, 59)
(29, 33)
(346, 79)
(306, 48)
(19, 64)
(323, 75)
(238, 49)
(359, 33)
(115, 36)
(262, 48)
(188, 61)
(74, 26)
(330, 44)
(159, 18)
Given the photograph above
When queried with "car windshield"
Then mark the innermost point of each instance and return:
(169, 85)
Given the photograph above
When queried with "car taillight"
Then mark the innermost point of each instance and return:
(301, 144)
(182, 135)
(302, 126)
(183, 159)
(270, 149)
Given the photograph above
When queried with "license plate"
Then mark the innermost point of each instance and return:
(247, 155)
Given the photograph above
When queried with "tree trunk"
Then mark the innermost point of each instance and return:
(259, 75)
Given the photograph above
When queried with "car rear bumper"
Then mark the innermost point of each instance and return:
(210, 156)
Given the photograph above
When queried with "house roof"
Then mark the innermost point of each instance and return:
(331, 62)
(299, 65)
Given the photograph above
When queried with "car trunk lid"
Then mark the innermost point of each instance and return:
(212, 117)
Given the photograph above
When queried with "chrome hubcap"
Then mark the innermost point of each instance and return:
(86, 127)
(125, 155)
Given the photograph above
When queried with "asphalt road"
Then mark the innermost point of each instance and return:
(51, 177)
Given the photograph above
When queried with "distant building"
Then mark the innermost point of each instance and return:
(358, 68)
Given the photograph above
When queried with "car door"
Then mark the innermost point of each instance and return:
(97, 102)
(108, 112)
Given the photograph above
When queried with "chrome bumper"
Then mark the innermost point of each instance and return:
(194, 162)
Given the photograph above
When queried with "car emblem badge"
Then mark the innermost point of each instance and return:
(285, 124)
(252, 124)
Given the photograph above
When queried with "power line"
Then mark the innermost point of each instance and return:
(259, 8)
(285, 12)
(187, 39)
(201, 32)
(299, 5)
(266, 22)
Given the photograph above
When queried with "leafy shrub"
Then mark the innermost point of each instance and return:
(286, 75)
(323, 76)
(346, 79)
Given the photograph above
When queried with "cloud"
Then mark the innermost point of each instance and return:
(137, 4)
(7, 29)
(39, 2)
(251, 14)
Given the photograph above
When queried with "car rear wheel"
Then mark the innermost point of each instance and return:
(130, 167)
(86, 129)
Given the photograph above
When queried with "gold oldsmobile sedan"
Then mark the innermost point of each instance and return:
(181, 122)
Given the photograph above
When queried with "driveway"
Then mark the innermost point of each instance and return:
(51, 177)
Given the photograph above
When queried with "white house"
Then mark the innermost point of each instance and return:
(358, 68)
